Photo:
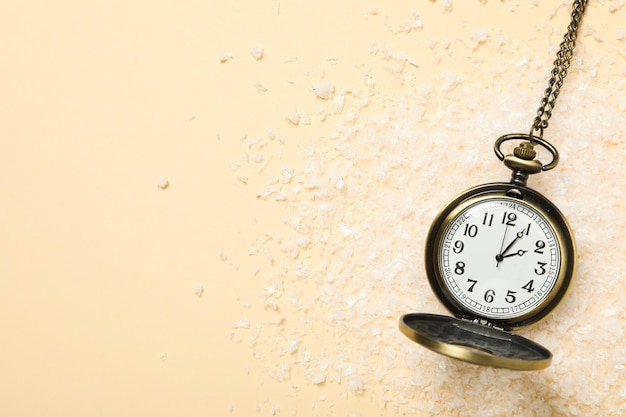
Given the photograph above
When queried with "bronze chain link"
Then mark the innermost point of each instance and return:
(559, 72)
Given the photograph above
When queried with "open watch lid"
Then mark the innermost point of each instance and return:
(474, 342)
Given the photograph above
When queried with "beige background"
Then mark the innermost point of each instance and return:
(100, 313)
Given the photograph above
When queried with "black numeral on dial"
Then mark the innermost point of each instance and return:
(471, 230)
(510, 297)
(529, 286)
(540, 244)
(458, 246)
(540, 270)
(509, 218)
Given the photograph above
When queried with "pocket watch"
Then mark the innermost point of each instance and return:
(501, 256)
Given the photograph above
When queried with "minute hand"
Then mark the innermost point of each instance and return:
(518, 236)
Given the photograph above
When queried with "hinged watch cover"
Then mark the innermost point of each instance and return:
(475, 343)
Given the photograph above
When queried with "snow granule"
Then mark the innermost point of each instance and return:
(338, 104)
(418, 22)
(257, 52)
(163, 183)
(198, 289)
(616, 6)
(591, 31)
(355, 384)
(242, 324)
(480, 36)
(341, 183)
(318, 378)
(224, 57)
(293, 116)
(324, 89)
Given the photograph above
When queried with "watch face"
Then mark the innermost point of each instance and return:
(499, 258)
(502, 253)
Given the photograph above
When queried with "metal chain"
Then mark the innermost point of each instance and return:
(559, 72)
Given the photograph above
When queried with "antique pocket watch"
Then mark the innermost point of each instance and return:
(498, 256)
(501, 256)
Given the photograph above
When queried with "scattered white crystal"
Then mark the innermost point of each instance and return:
(242, 324)
(198, 289)
(324, 89)
(287, 174)
(318, 378)
(293, 345)
(257, 52)
(338, 103)
(224, 57)
(163, 183)
(293, 116)
(480, 36)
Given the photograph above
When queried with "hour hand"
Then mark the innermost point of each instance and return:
(518, 253)
(518, 236)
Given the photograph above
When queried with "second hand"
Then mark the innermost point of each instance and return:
(498, 259)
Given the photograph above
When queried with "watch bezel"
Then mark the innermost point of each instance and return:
(537, 201)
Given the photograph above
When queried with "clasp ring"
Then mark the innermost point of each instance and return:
(533, 140)
(531, 137)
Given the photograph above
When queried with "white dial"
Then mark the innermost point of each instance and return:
(499, 258)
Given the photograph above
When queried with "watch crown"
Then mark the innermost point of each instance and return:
(525, 151)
